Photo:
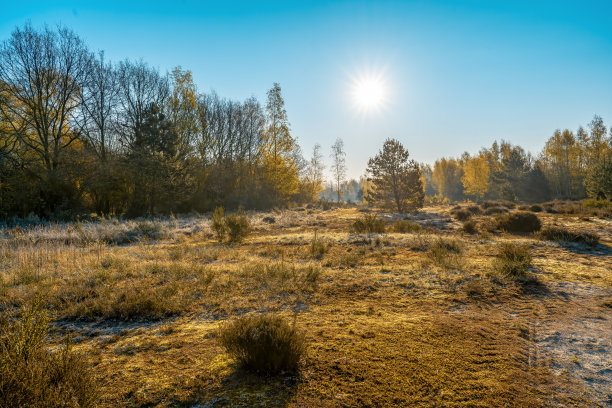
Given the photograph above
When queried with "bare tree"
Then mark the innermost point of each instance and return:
(140, 87)
(97, 119)
(43, 73)
(338, 166)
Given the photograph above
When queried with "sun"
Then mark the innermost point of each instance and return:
(369, 92)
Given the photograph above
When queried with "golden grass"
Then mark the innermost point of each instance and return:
(416, 318)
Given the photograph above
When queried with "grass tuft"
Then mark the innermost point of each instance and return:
(368, 223)
(264, 344)
(513, 259)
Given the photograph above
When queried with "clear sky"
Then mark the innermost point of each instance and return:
(458, 74)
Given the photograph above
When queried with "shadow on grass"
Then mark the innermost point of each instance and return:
(242, 388)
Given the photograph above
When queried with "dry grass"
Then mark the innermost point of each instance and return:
(410, 317)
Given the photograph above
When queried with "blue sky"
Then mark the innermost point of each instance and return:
(459, 74)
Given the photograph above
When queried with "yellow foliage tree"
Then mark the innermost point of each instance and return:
(280, 171)
(476, 176)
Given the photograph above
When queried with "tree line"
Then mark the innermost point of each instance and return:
(570, 166)
(82, 134)
(79, 133)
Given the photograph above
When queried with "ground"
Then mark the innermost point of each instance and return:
(386, 323)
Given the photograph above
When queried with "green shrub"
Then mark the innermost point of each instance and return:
(33, 376)
(536, 208)
(560, 234)
(218, 224)
(513, 259)
(593, 203)
(368, 223)
(519, 222)
(406, 226)
(462, 215)
(264, 344)
(469, 227)
(238, 226)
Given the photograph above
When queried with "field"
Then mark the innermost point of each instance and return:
(422, 318)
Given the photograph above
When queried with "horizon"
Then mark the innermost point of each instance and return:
(492, 72)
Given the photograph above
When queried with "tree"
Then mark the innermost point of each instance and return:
(476, 176)
(446, 176)
(314, 173)
(278, 148)
(395, 179)
(338, 167)
(43, 73)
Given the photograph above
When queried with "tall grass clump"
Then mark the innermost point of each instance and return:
(446, 253)
(462, 214)
(513, 259)
(520, 221)
(265, 344)
(318, 248)
(368, 223)
(561, 234)
(406, 226)
(33, 376)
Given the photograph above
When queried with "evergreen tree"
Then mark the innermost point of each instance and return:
(396, 181)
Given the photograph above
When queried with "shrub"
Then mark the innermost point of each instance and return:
(536, 208)
(463, 214)
(513, 259)
(218, 224)
(238, 226)
(263, 343)
(474, 209)
(235, 227)
(33, 376)
(564, 235)
(495, 210)
(519, 222)
(445, 253)
(369, 223)
(405, 226)
(469, 227)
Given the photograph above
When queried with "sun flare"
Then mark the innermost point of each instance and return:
(369, 92)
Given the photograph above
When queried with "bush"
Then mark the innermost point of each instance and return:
(218, 224)
(505, 204)
(560, 234)
(238, 226)
(495, 210)
(469, 227)
(369, 223)
(536, 208)
(33, 376)
(474, 209)
(235, 226)
(462, 215)
(519, 222)
(513, 259)
(263, 343)
(405, 226)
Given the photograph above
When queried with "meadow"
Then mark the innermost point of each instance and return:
(442, 307)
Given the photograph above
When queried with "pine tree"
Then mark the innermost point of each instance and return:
(396, 181)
